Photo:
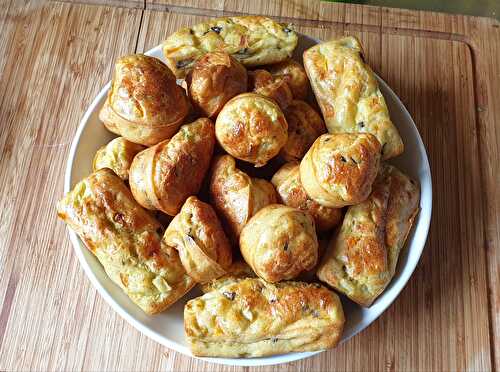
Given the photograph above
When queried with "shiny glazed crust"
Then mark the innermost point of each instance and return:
(145, 105)
(295, 76)
(163, 176)
(252, 318)
(279, 242)
(348, 94)
(251, 127)
(361, 260)
(125, 240)
(287, 183)
(276, 88)
(238, 270)
(215, 79)
(197, 234)
(304, 126)
(252, 40)
(117, 155)
(235, 196)
(339, 169)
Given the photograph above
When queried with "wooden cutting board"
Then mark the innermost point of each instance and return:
(55, 57)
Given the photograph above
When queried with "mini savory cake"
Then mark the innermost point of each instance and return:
(198, 236)
(252, 127)
(163, 176)
(215, 79)
(304, 126)
(252, 40)
(239, 270)
(145, 105)
(348, 94)
(339, 169)
(125, 240)
(117, 155)
(279, 242)
(236, 196)
(276, 88)
(294, 74)
(362, 258)
(253, 318)
(287, 183)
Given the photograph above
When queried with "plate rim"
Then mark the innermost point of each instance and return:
(79, 248)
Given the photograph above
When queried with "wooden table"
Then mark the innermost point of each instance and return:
(55, 57)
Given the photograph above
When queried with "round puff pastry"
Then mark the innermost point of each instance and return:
(117, 155)
(339, 169)
(262, 82)
(252, 40)
(294, 74)
(304, 126)
(145, 105)
(252, 127)
(237, 197)
(126, 240)
(287, 183)
(362, 258)
(215, 79)
(164, 176)
(252, 318)
(279, 242)
(198, 236)
(237, 271)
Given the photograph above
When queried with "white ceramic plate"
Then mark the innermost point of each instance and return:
(167, 327)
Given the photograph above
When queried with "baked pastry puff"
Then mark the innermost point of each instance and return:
(236, 196)
(253, 318)
(215, 79)
(117, 155)
(294, 75)
(339, 169)
(304, 126)
(279, 242)
(275, 87)
(362, 258)
(238, 270)
(198, 236)
(125, 240)
(287, 183)
(252, 40)
(348, 94)
(163, 176)
(252, 128)
(144, 105)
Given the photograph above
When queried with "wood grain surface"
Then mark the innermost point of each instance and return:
(56, 56)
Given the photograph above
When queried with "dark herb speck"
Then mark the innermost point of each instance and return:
(287, 30)
(229, 295)
(361, 124)
(183, 64)
(285, 248)
(274, 340)
(216, 29)
(343, 159)
(354, 161)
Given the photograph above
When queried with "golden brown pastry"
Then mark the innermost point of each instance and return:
(164, 176)
(124, 238)
(287, 183)
(294, 74)
(279, 242)
(304, 126)
(237, 197)
(252, 40)
(215, 79)
(238, 270)
(339, 169)
(361, 260)
(117, 155)
(251, 127)
(198, 236)
(275, 87)
(348, 94)
(145, 105)
(252, 318)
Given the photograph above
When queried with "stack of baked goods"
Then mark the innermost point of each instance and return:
(225, 174)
